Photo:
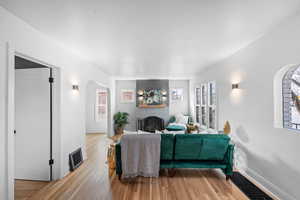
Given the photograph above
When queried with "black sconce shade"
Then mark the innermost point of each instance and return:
(75, 87)
(235, 86)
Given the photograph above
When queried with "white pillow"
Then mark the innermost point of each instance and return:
(143, 132)
(181, 119)
(129, 132)
(174, 132)
(178, 124)
(186, 119)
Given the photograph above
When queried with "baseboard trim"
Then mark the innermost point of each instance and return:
(271, 189)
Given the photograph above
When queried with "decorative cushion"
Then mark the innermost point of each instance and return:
(129, 132)
(213, 148)
(158, 132)
(143, 132)
(174, 132)
(167, 146)
(172, 119)
(186, 119)
(181, 119)
(175, 127)
(187, 147)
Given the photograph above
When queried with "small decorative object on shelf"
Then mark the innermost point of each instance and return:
(226, 128)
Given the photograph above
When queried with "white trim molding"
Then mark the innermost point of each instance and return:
(270, 188)
(10, 110)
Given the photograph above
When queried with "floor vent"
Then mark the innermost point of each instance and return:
(248, 188)
(75, 159)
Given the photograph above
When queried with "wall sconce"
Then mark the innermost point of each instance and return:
(140, 92)
(75, 87)
(164, 98)
(140, 98)
(164, 95)
(235, 86)
(164, 92)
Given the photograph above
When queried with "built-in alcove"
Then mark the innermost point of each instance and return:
(162, 112)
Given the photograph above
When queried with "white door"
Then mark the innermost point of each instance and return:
(32, 123)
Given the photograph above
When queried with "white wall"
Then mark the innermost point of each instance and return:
(92, 125)
(180, 106)
(270, 155)
(126, 107)
(28, 41)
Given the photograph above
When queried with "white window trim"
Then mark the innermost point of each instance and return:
(213, 106)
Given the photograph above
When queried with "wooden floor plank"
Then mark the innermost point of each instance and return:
(25, 189)
(91, 182)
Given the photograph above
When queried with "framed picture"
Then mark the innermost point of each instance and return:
(152, 98)
(127, 96)
(177, 94)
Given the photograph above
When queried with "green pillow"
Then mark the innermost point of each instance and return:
(213, 148)
(172, 119)
(175, 128)
(187, 147)
(167, 146)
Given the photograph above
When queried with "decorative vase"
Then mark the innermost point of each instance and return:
(227, 128)
(119, 130)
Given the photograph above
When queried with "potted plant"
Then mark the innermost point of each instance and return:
(120, 120)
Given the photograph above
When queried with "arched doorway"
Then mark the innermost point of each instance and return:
(97, 108)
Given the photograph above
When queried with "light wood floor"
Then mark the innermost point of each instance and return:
(25, 189)
(91, 182)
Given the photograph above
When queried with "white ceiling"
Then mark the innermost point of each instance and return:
(153, 37)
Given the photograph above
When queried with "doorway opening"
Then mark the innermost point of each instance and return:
(33, 135)
(97, 108)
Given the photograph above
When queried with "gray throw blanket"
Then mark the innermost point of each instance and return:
(140, 155)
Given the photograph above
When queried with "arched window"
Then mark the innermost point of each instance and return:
(291, 98)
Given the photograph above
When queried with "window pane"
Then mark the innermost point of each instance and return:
(203, 116)
(212, 118)
(101, 104)
(212, 93)
(198, 96)
(203, 95)
(101, 98)
(198, 114)
(291, 99)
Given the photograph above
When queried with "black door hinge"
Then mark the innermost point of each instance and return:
(51, 162)
(15, 131)
(51, 80)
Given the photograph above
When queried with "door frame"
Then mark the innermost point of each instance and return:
(10, 116)
(108, 103)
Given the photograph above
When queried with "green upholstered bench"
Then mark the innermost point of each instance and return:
(192, 151)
